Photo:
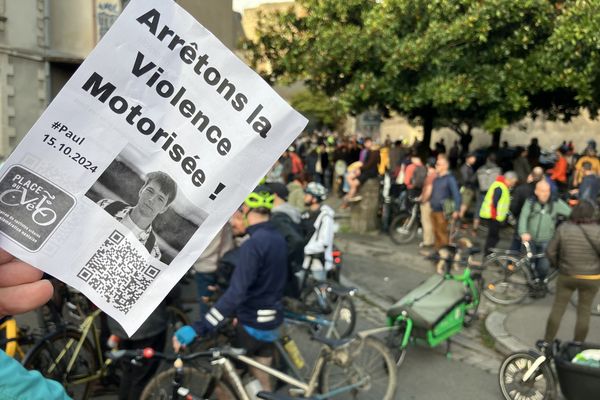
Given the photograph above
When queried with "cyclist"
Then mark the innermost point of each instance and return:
(537, 222)
(319, 229)
(21, 290)
(255, 292)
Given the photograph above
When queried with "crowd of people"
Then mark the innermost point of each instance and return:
(285, 222)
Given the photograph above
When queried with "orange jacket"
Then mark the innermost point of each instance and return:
(559, 172)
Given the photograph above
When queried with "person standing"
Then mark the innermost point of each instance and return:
(575, 251)
(558, 174)
(496, 206)
(589, 188)
(589, 156)
(537, 222)
(521, 165)
(469, 188)
(444, 201)
(520, 195)
(486, 176)
(318, 223)
(428, 237)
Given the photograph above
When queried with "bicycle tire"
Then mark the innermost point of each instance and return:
(511, 371)
(379, 369)
(501, 274)
(42, 357)
(401, 234)
(200, 383)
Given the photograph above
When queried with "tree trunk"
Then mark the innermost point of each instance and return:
(496, 139)
(425, 147)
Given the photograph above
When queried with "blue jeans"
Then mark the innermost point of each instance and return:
(542, 265)
(203, 281)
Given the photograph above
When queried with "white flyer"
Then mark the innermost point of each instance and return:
(139, 161)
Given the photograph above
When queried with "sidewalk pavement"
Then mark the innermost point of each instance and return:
(518, 327)
(513, 328)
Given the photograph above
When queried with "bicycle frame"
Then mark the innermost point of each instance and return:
(86, 326)
(307, 388)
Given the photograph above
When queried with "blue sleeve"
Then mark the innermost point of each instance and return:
(243, 276)
(496, 197)
(18, 383)
(455, 192)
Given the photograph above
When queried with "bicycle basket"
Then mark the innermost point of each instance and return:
(577, 381)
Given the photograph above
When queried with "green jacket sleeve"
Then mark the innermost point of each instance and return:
(524, 218)
(16, 383)
(562, 208)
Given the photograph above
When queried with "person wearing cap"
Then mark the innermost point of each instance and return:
(496, 206)
(255, 291)
(318, 223)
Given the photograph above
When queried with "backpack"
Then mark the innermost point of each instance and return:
(417, 180)
(486, 176)
(291, 232)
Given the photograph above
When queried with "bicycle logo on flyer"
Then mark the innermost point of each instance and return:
(31, 207)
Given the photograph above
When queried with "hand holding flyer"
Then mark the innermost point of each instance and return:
(140, 159)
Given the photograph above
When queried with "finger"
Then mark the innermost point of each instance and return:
(5, 256)
(16, 272)
(23, 298)
(176, 344)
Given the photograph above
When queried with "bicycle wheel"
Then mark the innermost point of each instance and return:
(402, 230)
(541, 386)
(200, 383)
(370, 362)
(52, 355)
(506, 281)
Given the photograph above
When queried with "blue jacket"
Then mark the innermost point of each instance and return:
(16, 383)
(444, 187)
(256, 287)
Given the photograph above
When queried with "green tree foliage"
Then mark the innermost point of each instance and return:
(572, 58)
(453, 63)
(320, 109)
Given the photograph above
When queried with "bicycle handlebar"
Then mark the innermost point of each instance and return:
(149, 353)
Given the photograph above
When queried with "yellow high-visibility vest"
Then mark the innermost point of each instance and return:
(503, 204)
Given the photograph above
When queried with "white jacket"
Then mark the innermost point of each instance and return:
(321, 241)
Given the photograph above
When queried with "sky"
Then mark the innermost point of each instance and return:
(239, 5)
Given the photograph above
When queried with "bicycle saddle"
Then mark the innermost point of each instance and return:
(331, 343)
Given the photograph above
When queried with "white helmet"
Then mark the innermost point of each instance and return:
(316, 190)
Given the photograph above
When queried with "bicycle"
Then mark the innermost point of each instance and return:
(405, 226)
(437, 309)
(334, 372)
(182, 382)
(529, 375)
(14, 338)
(510, 276)
(71, 355)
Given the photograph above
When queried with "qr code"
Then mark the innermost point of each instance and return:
(118, 272)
